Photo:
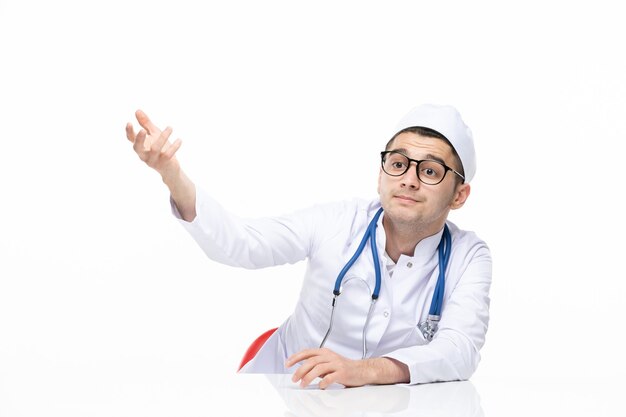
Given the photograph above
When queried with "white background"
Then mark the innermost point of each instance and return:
(94, 270)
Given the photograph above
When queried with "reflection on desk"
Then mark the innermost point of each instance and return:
(459, 399)
(33, 386)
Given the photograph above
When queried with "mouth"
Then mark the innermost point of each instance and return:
(406, 198)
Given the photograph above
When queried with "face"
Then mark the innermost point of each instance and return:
(409, 202)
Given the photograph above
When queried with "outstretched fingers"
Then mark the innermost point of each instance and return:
(153, 146)
(139, 144)
(170, 151)
(157, 148)
(130, 132)
(146, 123)
(161, 143)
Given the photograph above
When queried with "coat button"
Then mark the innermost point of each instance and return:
(386, 314)
(409, 265)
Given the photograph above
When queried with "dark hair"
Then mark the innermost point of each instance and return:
(430, 133)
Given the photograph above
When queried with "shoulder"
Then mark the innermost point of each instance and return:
(466, 241)
(470, 258)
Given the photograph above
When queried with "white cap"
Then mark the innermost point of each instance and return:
(447, 121)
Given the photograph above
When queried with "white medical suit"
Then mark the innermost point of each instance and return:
(327, 236)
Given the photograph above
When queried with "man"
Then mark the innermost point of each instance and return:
(374, 306)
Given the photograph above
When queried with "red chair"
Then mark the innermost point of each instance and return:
(254, 347)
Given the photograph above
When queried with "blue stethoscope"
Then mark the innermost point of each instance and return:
(429, 326)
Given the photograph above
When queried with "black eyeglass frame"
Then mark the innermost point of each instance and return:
(383, 154)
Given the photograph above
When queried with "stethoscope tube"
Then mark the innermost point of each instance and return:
(370, 234)
(428, 327)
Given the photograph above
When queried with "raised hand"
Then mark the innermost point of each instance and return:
(152, 145)
(154, 148)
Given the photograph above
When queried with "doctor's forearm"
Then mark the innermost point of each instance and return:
(387, 371)
(183, 193)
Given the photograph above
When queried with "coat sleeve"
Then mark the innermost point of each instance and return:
(253, 243)
(454, 352)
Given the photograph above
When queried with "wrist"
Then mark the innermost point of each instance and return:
(182, 192)
(386, 371)
(171, 177)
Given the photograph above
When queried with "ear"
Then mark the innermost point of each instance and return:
(460, 196)
(380, 176)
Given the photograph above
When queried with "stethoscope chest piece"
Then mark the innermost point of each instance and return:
(429, 326)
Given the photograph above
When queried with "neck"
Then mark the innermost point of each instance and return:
(401, 239)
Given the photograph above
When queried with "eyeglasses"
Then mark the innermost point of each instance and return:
(429, 171)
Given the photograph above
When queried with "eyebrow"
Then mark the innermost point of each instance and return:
(428, 156)
(436, 158)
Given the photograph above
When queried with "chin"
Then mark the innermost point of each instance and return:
(402, 214)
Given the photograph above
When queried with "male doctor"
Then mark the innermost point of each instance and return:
(369, 331)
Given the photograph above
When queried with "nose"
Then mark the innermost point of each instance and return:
(410, 179)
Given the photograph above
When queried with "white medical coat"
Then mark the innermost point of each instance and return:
(327, 236)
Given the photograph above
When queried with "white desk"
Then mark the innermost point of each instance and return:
(447, 399)
(118, 389)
